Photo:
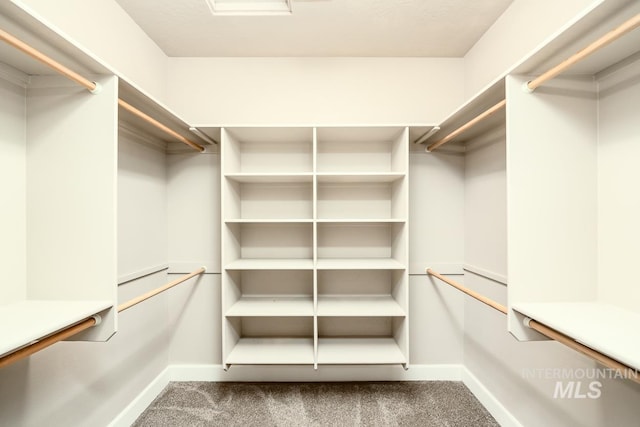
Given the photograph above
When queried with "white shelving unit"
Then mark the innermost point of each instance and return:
(572, 194)
(58, 151)
(315, 245)
(59, 155)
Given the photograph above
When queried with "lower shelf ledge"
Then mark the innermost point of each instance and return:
(272, 351)
(24, 322)
(608, 329)
(359, 351)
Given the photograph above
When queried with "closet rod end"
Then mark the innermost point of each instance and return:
(526, 88)
(96, 90)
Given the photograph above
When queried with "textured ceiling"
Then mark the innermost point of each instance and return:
(424, 28)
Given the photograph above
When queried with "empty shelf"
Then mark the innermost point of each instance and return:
(263, 178)
(339, 351)
(359, 264)
(361, 220)
(270, 264)
(611, 330)
(359, 177)
(23, 322)
(268, 221)
(272, 351)
(359, 306)
(276, 306)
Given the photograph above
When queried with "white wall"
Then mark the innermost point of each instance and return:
(520, 30)
(102, 28)
(270, 91)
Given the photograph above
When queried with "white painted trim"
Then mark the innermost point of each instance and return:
(142, 401)
(327, 373)
(488, 400)
(139, 274)
(496, 277)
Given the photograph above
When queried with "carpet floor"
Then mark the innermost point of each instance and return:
(429, 403)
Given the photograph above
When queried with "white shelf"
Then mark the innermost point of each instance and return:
(338, 351)
(272, 351)
(24, 322)
(272, 306)
(348, 177)
(359, 264)
(271, 178)
(361, 220)
(270, 264)
(359, 306)
(606, 328)
(268, 221)
(309, 199)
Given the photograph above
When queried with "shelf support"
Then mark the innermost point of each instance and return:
(471, 123)
(603, 41)
(620, 368)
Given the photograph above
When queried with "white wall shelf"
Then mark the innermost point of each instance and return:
(339, 214)
(611, 330)
(571, 191)
(23, 322)
(59, 193)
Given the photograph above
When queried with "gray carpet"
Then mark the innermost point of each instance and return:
(432, 403)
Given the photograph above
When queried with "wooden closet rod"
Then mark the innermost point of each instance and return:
(468, 125)
(124, 306)
(611, 36)
(547, 331)
(159, 125)
(491, 303)
(86, 323)
(92, 87)
(47, 341)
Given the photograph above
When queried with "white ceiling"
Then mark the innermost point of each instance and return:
(422, 28)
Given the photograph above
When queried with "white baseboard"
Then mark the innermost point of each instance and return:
(488, 400)
(142, 401)
(308, 374)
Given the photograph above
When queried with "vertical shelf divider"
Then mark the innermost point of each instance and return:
(315, 249)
